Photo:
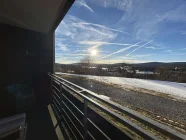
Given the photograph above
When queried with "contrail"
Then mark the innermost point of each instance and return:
(102, 26)
(138, 48)
(121, 50)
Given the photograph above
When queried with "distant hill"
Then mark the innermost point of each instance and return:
(151, 65)
(160, 64)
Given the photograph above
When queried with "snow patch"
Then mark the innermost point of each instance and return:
(173, 89)
(104, 97)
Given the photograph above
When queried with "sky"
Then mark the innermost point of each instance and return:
(123, 31)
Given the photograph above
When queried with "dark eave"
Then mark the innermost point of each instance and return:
(38, 15)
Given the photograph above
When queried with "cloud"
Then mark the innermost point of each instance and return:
(75, 54)
(76, 30)
(99, 31)
(73, 31)
(120, 59)
(142, 55)
(150, 47)
(119, 4)
(168, 51)
(178, 54)
(155, 48)
(157, 15)
(99, 43)
(183, 32)
(65, 60)
(177, 15)
(138, 48)
(183, 49)
(102, 26)
(61, 46)
(76, 51)
(147, 23)
(83, 4)
(142, 20)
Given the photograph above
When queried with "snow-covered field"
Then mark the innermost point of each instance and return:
(173, 89)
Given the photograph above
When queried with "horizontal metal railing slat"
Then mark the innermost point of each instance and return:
(156, 125)
(72, 123)
(137, 129)
(80, 121)
(161, 127)
(95, 124)
(73, 113)
(60, 113)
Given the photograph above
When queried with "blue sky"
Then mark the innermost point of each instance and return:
(131, 31)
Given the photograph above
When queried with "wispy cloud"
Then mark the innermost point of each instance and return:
(78, 54)
(60, 45)
(143, 55)
(76, 30)
(183, 32)
(102, 26)
(66, 60)
(121, 59)
(168, 51)
(154, 48)
(157, 15)
(119, 4)
(83, 4)
(138, 48)
(150, 47)
(70, 56)
(77, 51)
(99, 43)
(178, 54)
(183, 49)
(63, 48)
(142, 20)
(147, 22)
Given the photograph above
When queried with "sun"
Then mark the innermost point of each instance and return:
(93, 52)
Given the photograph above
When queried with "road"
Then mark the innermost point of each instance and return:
(161, 108)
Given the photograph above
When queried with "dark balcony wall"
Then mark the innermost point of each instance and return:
(26, 57)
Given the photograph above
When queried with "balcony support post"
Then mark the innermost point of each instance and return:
(85, 118)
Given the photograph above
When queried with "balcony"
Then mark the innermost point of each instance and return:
(61, 109)
(76, 113)
(87, 116)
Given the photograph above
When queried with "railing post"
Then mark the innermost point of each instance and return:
(51, 83)
(85, 118)
(60, 95)
(60, 88)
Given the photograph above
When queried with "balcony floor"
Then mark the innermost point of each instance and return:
(39, 124)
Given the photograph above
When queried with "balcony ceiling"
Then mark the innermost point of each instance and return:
(37, 15)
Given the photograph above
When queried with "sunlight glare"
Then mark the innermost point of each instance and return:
(93, 52)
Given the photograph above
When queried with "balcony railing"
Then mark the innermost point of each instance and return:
(13, 127)
(87, 116)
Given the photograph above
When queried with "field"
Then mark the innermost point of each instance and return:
(160, 100)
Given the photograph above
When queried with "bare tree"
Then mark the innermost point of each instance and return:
(86, 61)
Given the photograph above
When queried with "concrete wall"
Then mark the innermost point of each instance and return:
(26, 57)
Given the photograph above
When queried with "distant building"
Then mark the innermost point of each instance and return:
(105, 69)
(144, 72)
